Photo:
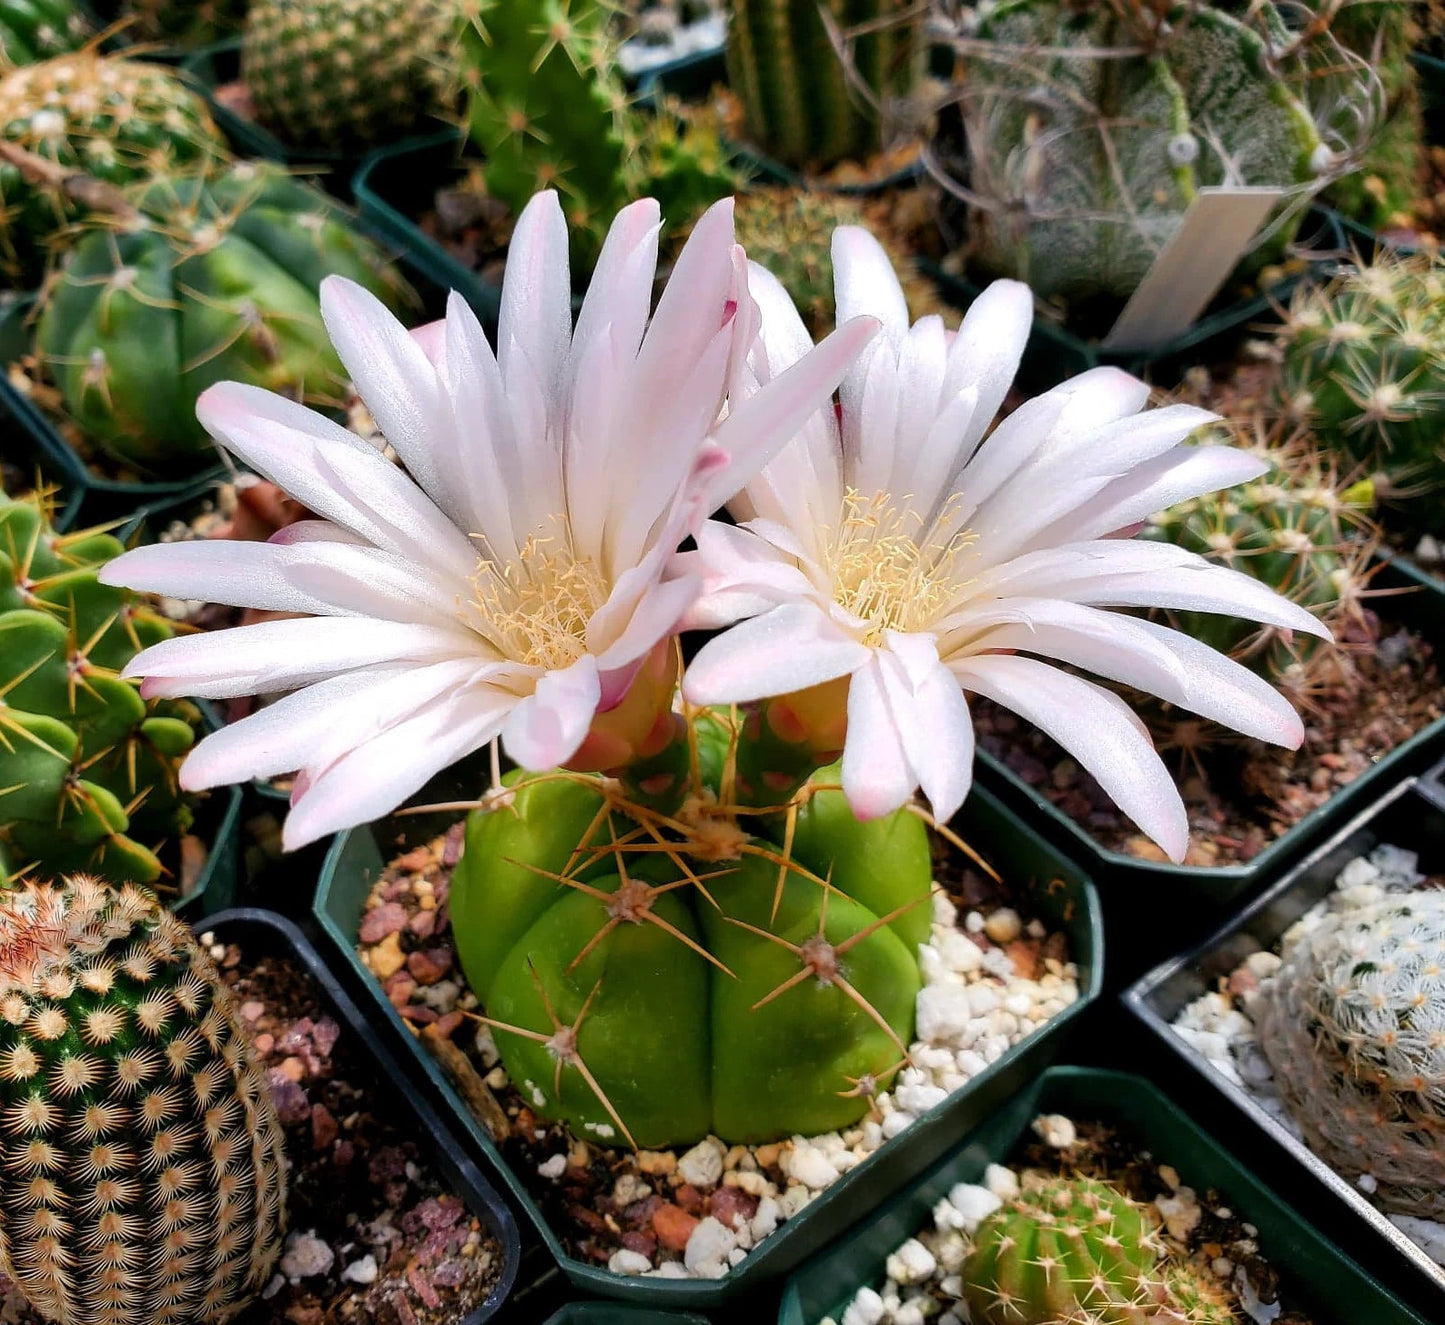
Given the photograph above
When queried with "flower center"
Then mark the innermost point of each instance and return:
(535, 608)
(888, 570)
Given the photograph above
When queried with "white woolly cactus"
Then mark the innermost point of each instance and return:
(1353, 1025)
(141, 1169)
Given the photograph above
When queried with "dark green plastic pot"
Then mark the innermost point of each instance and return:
(1138, 926)
(609, 1313)
(1055, 890)
(1430, 70)
(1336, 1289)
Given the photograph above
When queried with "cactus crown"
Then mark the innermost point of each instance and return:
(1351, 1025)
(144, 1177)
(1066, 1250)
(88, 769)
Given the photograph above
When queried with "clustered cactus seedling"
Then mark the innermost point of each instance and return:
(1364, 367)
(88, 769)
(795, 88)
(675, 958)
(33, 30)
(1090, 129)
(206, 280)
(347, 73)
(117, 121)
(1351, 1026)
(144, 1176)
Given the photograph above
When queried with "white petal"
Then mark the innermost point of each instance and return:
(536, 313)
(988, 348)
(864, 282)
(933, 721)
(619, 295)
(877, 778)
(737, 566)
(546, 727)
(1085, 720)
(789, 648)
(784, 339)
(658, 614)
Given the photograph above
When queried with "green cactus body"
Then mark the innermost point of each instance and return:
(348, 73)
(1083, 164)
(794, 87)
(1350, 1024)
(144, 1175)
(32, 30)
(119, 121)
(1066, 1250)
(653, 996)
(215, 280)
(88, 769)
(1364, 367)
(1198, 1298)
(187, 22)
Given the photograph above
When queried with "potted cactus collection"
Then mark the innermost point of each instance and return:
(620, 623)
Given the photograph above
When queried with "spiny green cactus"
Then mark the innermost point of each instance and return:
(1066, 1249)
(32, 30)
(1300, 529)
(1350, 1024)
(116, 120)
(1199, 1298)
(1364, 367)
(654, 975)
(210, 280)
(342, 74)
(88, 769)
(144, 1175)
(186, 22)
(801, 106)
(1090, 130)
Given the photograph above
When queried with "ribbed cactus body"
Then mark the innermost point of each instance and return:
(88, 769)
(343, 74)
(656, 1008)
(216, 281)
(117, 120)
(1351, 1026)
(32, 30)
(794, 86)
(1083, 159)
(143, 1169)
(1364, 367)
(1066, 1249)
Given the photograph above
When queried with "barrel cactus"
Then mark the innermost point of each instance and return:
(796, 91)
(658, 974)
(1066, 1249)
(88, 769)
(209, 280)
(348, 73)
(115, 120)
(1350, 1025)
(32, 30)
(144, 1176)
(1364, 367)
(1091, 128)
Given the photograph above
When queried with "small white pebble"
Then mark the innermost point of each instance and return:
(363, 1271)
(708, 1249)
(973, 1203)
(1053, 1129)
(974, 922)
(1003, 925)
(553, 1168)
(1002, 1182)
(865, 1309)
(624, 1261)
(912, 1263)
(702, 1166)
(896, 1122)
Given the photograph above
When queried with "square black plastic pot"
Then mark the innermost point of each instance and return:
(1055, 890)
(1411, 815)
(1200, 897)
(264, 933)
(1338, 1291)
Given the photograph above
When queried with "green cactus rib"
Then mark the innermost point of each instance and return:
(32, 30)
(118, 121)
(655, 976)
(144, 1174)
(343, 74)
(216, 282)
(88, 769)
(795, 90)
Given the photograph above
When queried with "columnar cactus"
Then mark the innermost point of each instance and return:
(1364, 367)
(88, 769)
(794, 86)
(32, 30)
(144, 1176)
(658, 974)
(347, 73)
(211, 280)
(116, 120)
(1350, 1024)
(1090, 129)
(1066, 1249)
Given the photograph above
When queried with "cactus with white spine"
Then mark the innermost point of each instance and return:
(144, 1178)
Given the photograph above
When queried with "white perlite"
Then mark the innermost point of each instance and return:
(1218, 1025)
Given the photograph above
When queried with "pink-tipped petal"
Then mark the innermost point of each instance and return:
(546, 727)
(877, 778)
